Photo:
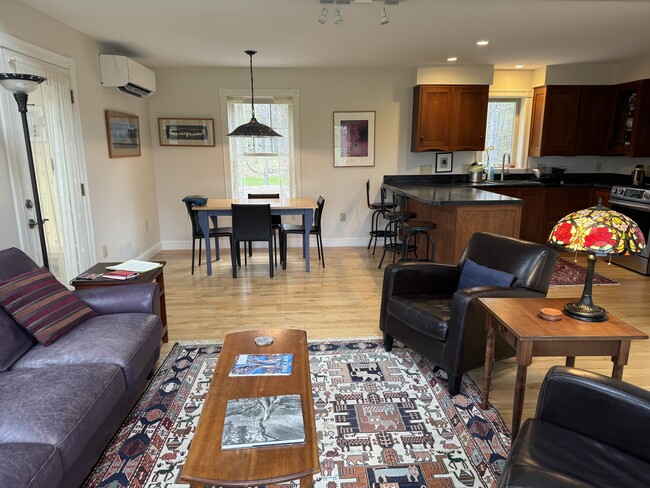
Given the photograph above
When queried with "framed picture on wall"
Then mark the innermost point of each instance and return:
(354, 139)
(186, 132)
(444, 162)
(123, 134)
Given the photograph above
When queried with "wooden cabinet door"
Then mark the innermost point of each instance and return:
(537, 122)
(560, 120)
(469, 118)
(594, 111)
(533, 215)
(432, 109)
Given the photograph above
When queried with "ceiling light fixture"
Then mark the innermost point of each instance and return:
(519, 66)
(452, 59)
(482, 43)
(253, 128)
(323, 15)
(383, 18)
(338, 18)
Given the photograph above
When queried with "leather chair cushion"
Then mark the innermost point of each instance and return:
(544, 454)
(474, 274)
(29, 466)
(127, 340)
(430, 314)
(62, 406)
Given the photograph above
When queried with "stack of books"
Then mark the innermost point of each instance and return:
(120, 274)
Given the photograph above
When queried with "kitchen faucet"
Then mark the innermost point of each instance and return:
(503, 164)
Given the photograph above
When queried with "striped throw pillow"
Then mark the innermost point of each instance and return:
(42, 305)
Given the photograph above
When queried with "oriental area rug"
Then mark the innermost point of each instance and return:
(567, 273)
(384, 419)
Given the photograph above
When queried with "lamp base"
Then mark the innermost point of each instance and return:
(586, 312)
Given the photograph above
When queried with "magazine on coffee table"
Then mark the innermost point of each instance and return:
(263, 421)
(280, 364)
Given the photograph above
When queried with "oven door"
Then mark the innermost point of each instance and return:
(640, 213)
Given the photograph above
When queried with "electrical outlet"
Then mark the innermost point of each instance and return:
(343, 217)
(105, 251)
(426, 169)
(599, 166)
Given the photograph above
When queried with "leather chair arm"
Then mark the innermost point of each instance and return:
(605, 409)
(136, 298)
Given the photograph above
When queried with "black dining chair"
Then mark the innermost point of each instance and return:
(197, 233)
(276, 223)
(251, 223)
(300, 229)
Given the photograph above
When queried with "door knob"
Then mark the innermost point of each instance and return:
(32, 223)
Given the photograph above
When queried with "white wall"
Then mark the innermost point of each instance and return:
(122, 192)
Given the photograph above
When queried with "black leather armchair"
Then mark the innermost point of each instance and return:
(588, 430)
(422, 308)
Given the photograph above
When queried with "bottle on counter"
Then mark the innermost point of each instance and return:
(490, 172)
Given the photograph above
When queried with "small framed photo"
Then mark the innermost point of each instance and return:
(444, 162)
(354, 139)
(186, 132)
(123, 134)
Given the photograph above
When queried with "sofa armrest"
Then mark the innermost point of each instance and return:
(138, 298)
(605, 409)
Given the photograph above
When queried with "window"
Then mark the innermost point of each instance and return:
(502, 131)
(264, 164)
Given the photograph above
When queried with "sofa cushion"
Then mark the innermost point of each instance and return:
(427, 313)
(42, 305)
(474, 274)
(128, 340)
(62, 406)
(29, 466)
(15, 342)
(544, 454)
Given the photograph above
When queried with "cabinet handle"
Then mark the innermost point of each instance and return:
(421, 138)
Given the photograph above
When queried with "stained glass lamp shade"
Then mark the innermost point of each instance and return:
(597, 231)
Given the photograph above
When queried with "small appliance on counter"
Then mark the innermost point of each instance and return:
(548, 176)
(638, 174)
(476, 173)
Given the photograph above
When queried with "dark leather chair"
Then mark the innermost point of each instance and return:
(300, 229)
(251, 223)
(422, 308)
(588, 430)
(198, 200)
(276, 222)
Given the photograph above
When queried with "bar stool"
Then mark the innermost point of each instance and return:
(396, 217)
(376, 207)
(410, 230)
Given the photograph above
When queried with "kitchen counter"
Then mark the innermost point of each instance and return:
(451, 194)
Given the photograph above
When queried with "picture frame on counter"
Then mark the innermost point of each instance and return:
(444, 162)
(354, 139)
(122, 134)
(181, 131)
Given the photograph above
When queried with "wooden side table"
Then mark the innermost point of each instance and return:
(516, 320)
(155, 275)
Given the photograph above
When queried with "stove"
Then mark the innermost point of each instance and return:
(634, 202)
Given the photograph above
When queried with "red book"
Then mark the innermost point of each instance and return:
(120, 274)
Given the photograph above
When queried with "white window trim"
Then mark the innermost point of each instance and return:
(294, 94)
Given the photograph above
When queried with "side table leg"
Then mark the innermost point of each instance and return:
(570, 361)
(524, 358)
(620, 360)
(489, 359)
(307, 481)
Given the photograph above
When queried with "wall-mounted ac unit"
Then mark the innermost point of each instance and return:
(126, 75)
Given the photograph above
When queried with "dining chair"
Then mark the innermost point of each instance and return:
(276, 223)
(251, 223)
(197, 233)
(300, 229)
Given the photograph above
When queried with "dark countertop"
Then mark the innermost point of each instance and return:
(442, 194)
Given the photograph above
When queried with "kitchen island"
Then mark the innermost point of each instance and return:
(459, 211)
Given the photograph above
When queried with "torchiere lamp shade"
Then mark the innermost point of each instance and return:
(597, 231)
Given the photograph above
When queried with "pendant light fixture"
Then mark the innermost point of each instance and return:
(253, 128)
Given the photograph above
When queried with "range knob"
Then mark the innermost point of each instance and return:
(646, 195)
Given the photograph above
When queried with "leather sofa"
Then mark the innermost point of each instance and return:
(422, 307)
(61, 404)
(589, 430)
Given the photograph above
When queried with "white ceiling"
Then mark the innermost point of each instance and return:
(286, 33)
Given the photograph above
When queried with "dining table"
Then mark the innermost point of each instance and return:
(221, 207)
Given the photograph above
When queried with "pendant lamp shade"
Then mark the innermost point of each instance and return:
(253, 128)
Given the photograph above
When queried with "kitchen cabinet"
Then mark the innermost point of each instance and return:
(594, 109)
(562, 201)
(533, 212)
(449, 117)
(629, 130)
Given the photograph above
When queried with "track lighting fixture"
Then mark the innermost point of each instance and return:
(383, 19)
(338, 18)
(323, 15)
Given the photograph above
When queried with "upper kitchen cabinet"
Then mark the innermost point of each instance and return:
(629, 133)
(569, 120)
(449, 118)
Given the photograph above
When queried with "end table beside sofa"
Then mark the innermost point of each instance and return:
(61, 404)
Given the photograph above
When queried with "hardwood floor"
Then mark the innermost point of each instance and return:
(343, 299)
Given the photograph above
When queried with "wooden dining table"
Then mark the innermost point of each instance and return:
(221, 207)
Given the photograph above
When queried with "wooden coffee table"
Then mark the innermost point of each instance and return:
(208, 464)
(516, 321)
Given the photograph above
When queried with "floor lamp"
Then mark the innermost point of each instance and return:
(20, 85)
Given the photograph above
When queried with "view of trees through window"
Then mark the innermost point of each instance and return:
(500, 131)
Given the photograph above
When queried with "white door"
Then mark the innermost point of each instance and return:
(58, 164)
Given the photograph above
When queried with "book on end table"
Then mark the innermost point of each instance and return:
(119, 274)
(263, 421)
(262, 365)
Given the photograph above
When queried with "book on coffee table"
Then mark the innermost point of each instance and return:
(263, 421)
(279, 364)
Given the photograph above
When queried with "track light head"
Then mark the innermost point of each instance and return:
(383, 19)
(323, 15)
(338, 18)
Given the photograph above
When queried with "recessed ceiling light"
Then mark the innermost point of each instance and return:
(452, 59)
(519, 66)
(482, 43)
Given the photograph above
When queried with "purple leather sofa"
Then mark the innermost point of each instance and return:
(61, 404)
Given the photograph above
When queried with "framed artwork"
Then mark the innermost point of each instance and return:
(444, 162)
(123, 134)
(186, 132)
(354, 139)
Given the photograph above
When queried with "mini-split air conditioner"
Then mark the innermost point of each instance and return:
(126, 75)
